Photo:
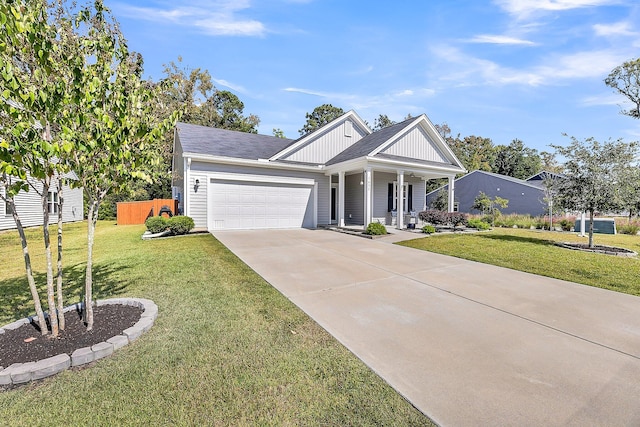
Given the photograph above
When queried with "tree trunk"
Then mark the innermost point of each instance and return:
(591, 229)
(51, 298)
(27, 264)
(61, 321)
(88, 280)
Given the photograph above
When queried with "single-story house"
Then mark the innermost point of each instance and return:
(524, 196)
(29, 206)
(342, 173)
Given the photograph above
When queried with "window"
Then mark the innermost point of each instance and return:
(348, 128)
(52, 201)
(407, 195)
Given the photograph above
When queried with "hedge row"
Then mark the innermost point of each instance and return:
(176, 224)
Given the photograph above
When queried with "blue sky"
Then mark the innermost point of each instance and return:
(502, 69)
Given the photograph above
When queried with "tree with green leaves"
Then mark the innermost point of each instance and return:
(475, 152)
(516, 160)
(381, 122)
(37, 68)
(625, 79)
(278, 133)
(489, 206)
(440, 203)
(593, 175)
(113, 129)
(319, 117)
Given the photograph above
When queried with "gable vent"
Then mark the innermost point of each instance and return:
(348, 128)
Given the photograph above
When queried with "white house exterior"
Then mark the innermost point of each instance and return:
(343, 174)
(30, 210)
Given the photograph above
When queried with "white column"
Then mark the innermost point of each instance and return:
(400, 202)
(451, 192)
(341, 199)
(368, 189)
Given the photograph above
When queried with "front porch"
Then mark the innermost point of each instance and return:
(392, 197)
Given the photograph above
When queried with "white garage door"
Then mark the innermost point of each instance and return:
(237, 205)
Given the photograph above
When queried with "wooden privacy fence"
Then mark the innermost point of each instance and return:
(138, 212)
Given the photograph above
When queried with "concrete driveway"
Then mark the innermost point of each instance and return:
(468, 344)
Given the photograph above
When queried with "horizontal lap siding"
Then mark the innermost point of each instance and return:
(29, 208)
(354, 199)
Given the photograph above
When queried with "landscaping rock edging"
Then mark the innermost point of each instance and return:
(599, 249)
(20, 373)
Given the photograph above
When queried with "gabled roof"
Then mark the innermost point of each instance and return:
(375, 144)
(309, 138)
(205, 140)
(369, 143)
(478, 174)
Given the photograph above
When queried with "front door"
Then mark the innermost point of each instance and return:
(334, 204)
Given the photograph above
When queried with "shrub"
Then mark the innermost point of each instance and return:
(180, 224)
(429, 229)
(457, 219)
(565, 224)
(479, 224)
(631, 228)
(434, 217)
(156, 224)
(376, 229)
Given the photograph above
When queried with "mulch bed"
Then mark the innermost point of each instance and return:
(609, 250)
(109, 320)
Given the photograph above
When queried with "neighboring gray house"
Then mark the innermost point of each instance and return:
(30, 210)
(343, 173)
(525, 197)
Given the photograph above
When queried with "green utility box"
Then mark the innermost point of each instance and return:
(600, 225)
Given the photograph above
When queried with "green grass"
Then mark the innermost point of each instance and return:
(533, 251)
(226, 349)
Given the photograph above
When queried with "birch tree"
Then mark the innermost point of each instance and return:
(113, 130)
(34, 94)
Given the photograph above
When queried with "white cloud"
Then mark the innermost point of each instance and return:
(609, 99)
(615, 29)
(225, 83)
(500, 39)
(217, 18)
(466, 70)
(522, 9)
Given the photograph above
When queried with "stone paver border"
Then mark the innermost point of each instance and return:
(20, 373)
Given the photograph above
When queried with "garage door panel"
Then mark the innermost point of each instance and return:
(248, 205)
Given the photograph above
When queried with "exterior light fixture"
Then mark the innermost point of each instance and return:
(196, 186)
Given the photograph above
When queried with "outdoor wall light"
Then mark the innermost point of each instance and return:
(196, 185)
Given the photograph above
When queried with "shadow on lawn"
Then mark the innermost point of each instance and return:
(519, 239)
(16, 298)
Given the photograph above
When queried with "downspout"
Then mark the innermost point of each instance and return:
(187, 180)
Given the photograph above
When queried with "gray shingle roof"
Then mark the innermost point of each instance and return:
(227, 143)
(369, 143)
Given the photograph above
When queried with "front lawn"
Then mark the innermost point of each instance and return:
(533, 251)
(226, 349)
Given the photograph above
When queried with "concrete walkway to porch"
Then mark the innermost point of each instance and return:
(467, 343)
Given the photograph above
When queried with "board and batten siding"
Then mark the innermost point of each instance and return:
(329, 144)
(416, 144)
(29, 208)
(198, 201)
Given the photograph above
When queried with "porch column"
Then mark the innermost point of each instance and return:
(451, 192)
(340, 199)
(400, 201)
(368, 197)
